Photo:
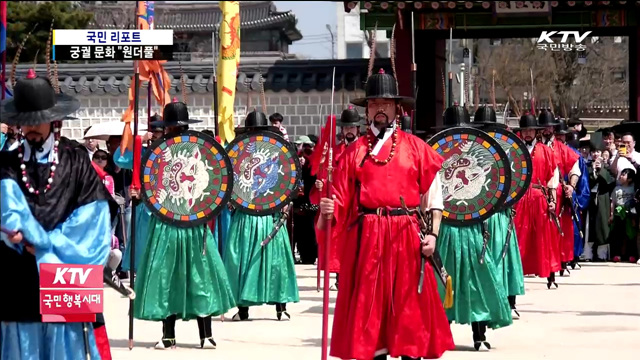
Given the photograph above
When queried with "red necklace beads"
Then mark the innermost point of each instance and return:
(54, 162)
(394, 139)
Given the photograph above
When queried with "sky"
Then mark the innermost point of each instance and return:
(313, 17)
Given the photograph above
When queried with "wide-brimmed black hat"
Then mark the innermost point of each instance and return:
(35, 102)
(349, 117)
(175, 114)
(486, 116)
(256, 120)
(382, 86)
(528, 121)
(547, 119)
(561, 128)
(454, 116)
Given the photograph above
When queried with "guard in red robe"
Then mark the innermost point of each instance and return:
(378, 310)
(568, 168)
(349, 123)
(537, 236)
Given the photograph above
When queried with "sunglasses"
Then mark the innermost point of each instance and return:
(100, 157)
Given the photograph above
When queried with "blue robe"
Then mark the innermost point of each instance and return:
(581, 197)
(70, 224)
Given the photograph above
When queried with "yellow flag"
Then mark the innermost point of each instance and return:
(228, 64)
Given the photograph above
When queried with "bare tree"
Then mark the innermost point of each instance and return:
(561, 81)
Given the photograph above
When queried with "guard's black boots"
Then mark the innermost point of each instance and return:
(168, 334)
(551, 280)
(206, 335)
(480, 342)
(282, 309)
(512, 303)
(242, 314)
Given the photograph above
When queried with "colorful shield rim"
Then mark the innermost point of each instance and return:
(478, 198)
(201, 164)
(520, 160)
(259, 151)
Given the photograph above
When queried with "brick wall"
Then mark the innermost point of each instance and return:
(303, 112)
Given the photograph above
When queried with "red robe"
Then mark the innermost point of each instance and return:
(537, 237)
(314, 197)
(378, 305)
(566, 158)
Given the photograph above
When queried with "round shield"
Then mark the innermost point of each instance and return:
(186, 178)
(266, 172)
(475, 174)
(520, 163)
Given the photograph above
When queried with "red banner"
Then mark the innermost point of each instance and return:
(70, 293)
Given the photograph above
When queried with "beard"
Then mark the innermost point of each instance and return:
(349, 137)
(380, 119)
(35, 140)
(528, 140)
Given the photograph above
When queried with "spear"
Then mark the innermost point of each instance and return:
(414, 75)
(451, 66)
(3, 39)
(327, 274)
(134, 204)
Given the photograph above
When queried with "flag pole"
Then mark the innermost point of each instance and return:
(134, 204)
(327, 245)
(216, 128)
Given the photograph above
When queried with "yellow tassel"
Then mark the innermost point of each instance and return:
(448, 297)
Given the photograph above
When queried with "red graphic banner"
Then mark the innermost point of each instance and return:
(70, 293)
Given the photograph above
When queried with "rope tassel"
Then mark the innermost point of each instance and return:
(448, 296)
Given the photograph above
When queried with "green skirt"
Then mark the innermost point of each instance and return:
(511, 266)
(175, 278)
(259, 275)
(478, 294)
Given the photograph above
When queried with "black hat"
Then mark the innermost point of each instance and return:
(349, 117)
(486, 116)
(528, 121)
(561, 128)
(454, 116)
(35, 102)
(175, 114)
(156, 119)
(547, 119)
(382, 86)
(256, 120)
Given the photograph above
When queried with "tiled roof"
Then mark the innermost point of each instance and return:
(280, 75)
(199, 17)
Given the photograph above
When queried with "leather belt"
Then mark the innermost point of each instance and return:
(385, 211)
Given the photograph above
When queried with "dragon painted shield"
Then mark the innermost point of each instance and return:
(520, 163)
(186, 178)
(475, 174)
(266, 172)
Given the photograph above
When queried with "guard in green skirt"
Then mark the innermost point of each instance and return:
(479, 297)
(181, 274)
(503, 238)
(259, 274)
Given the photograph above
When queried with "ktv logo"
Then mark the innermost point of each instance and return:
(545, 41)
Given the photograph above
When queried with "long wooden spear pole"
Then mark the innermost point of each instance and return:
(3, 20)
(414, 76)
(327, 242)
(134, 204)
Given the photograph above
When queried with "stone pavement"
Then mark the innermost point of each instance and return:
(595, 314)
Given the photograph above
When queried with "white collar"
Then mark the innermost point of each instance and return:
(533, 144)
(42, 156)
(387, 134)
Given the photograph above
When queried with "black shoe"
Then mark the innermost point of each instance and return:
(551, 282)
(481, 345)
(165, 344)
(282, 309)
(241, 315)
(208, 343)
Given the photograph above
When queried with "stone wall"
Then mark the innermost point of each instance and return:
(303, 112)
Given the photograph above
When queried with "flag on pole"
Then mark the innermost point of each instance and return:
(151, 71)
(227, 70)
(3, 49)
